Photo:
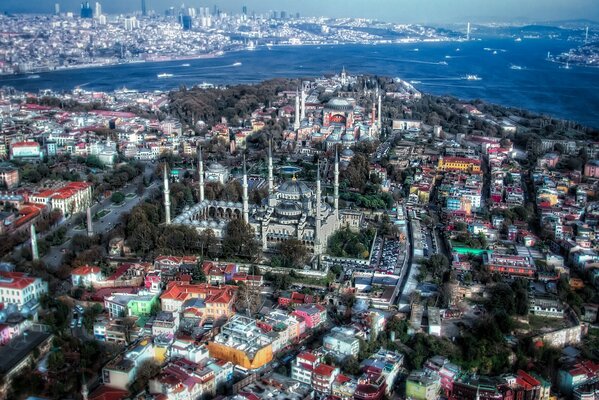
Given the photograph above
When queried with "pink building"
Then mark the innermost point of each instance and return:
(313, 314)
(591, 169)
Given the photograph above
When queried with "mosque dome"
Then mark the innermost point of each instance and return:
(339, 104)
(216, 168)
(294, 188)
(289, 209)
(348, 137)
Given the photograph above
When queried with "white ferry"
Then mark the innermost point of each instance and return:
(164, 75)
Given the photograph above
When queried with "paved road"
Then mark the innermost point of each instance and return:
(53, 258)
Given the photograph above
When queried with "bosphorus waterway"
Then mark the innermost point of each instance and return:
(514, 74)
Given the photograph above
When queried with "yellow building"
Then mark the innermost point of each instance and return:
(458, 164)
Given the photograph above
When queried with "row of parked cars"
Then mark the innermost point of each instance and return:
(77, 320)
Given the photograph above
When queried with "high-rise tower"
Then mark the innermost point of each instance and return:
(167, 199)
(144, 10)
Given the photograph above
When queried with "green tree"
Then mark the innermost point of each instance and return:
(240, 240)
(117, 197)
(294, 253)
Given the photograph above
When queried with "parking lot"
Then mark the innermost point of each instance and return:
(386, 256)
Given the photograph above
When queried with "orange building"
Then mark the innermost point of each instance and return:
(243, 343)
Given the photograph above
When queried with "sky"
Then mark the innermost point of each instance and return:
(401, 11)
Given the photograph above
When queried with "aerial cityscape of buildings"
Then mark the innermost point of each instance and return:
(345, 236)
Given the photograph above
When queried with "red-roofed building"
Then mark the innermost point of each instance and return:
(25, 150)
(70, 199)
(104, 392)
(370, 387)
(218, 300)
(287, 298)
(323, 376)
(583, 373)
(218, 273)
(183, 379)
(19, 288)
(305, 363)
(86, 275)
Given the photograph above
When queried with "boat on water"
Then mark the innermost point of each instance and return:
(566, 66)
(415, 82)
(443, 63)
(185, 65)
(518, 39)
(447, 57)
(164, 75)
(494, 52)
(473, 78)
(237, 64)
(416, 49)
(516, 67)
(33, 77)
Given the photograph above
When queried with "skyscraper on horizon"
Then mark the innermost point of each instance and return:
(56, 8)
(86, 10)
(144, 10)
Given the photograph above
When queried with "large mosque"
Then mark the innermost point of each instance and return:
(293, 210)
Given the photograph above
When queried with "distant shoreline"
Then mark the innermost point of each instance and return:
(220, 53)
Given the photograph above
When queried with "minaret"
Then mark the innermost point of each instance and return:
(380, 111)
(303, 112)
(201, 175)
(84, 389)
(296, 125)
(90, 227)
(35, 255)
(271, 179)
(245, 198)
(336, 186)
(167, 199)
(317, 249)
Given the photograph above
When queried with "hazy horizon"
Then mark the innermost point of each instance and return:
(403, 11)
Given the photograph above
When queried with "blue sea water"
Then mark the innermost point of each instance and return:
(540, 85)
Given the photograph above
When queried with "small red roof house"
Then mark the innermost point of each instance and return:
(86, 275)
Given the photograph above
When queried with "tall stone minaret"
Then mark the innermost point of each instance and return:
(90, 227)
(201, 175)
(271, 179)
(380, 111)
(336, 187)
(245, 198)
(35, 255)
(296, 125)
(303, 112)
(317, 249)
(167, 199)
(84, 389)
